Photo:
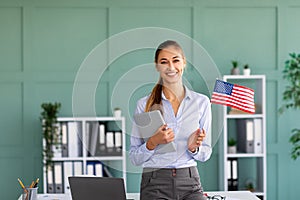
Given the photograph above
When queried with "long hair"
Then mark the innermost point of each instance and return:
(154, 101)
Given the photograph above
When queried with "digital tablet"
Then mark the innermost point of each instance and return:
(148, 123)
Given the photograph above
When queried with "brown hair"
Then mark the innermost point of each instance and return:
(154, 100)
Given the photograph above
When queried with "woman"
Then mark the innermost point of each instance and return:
(172, 175)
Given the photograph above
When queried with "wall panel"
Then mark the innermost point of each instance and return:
(272, 114)
(246, 34)
(293, 31)
(10, 189)
(62, 37)
(125, 18)
(11, 115)
(11, 38)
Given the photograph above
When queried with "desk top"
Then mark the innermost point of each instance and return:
(235, 195)
(231, 195)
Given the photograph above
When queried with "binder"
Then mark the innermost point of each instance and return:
(118, 141)
(58, 177)
(90, 169)
(258, 143)
(68, 171)
(57, 151)
(249, 136)
(87, 137)
(64, 146)
(232, 174)
(74, 139)
(99, 169)
(57, 148)
(245, 134)
(50, 185)
(94, 136)
(101, 147)
(78, 170)
(110, 142)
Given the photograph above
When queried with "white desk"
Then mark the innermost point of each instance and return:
(235, 195)
(232, 195)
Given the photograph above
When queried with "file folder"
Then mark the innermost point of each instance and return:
(118, 141)
(78, 169)
(258, 143)
(99, 169)
(94, 137)
(102, 143)
(110, 142)
(74, 139)
(90, 169)
(58, 177)
(50, 183)
(64, 146)
(68, 171)
(245, 135)
(232, 174)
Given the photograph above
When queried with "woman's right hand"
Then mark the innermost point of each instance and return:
(163, 135)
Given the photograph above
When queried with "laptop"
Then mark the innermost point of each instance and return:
(97, 188)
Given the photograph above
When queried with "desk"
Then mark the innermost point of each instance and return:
(232, 195)
(235, 195)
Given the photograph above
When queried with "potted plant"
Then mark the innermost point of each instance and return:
(246, 70)
(117, 112)
(235, 69)
(250, 186)
(291, 96)
(232, 145)
(51, 131)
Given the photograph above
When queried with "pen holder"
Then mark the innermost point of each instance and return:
(30, 194)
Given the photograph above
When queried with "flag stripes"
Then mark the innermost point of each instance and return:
(233, 95)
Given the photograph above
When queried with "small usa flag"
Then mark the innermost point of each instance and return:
(233, 95)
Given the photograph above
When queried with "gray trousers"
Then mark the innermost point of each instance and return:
(171, 184)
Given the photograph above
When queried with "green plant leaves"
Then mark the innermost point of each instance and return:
(291, 97)
(51, 133)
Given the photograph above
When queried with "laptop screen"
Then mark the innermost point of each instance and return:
(97, 188)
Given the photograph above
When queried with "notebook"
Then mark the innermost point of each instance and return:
(147, 124)
(95, 188)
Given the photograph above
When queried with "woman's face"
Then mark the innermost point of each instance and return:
(170, 64)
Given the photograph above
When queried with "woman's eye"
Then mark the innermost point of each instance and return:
(176, 61)
(163, 62)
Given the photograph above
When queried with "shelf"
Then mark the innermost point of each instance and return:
(88, 158)
(243, 116)
(66, 119)
(242, 77)
(104, 158)
(245, 155)
(68, 159)
(249, 130)
(103, 137)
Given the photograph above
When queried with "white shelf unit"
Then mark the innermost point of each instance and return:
(118, 160)
(251, 166)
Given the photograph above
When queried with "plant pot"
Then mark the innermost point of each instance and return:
(232, 149)
(235, 71)
(117, 113)
(247, 72)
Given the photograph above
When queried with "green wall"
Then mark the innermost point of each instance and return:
(43, 43)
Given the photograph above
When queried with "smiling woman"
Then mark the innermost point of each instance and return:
(172, 175)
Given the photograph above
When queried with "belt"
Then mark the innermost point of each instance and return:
(171, 172)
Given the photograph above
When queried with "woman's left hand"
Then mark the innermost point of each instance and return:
(195, 139)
